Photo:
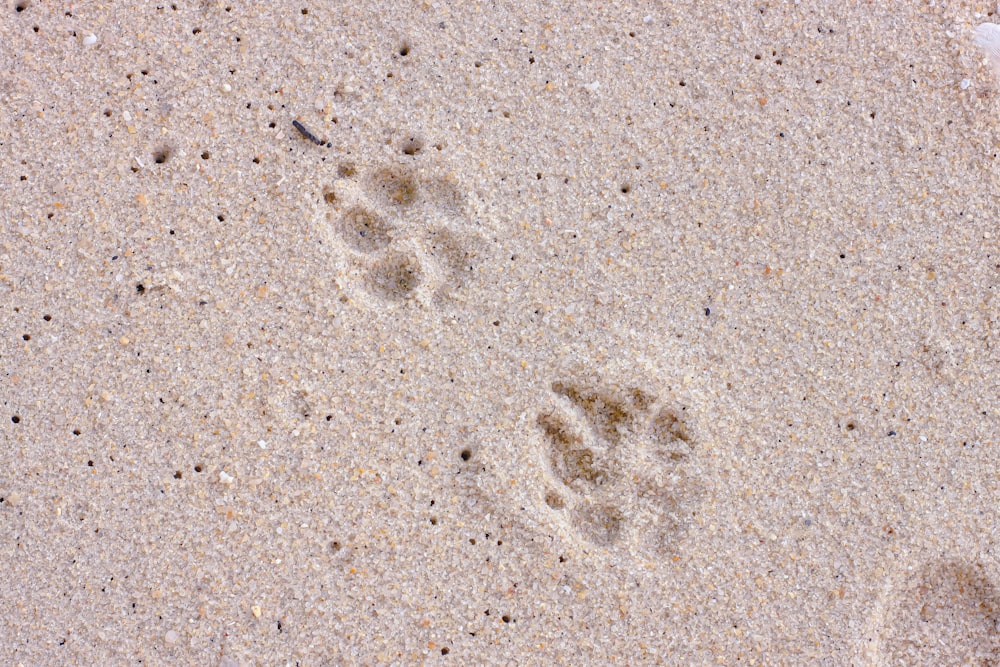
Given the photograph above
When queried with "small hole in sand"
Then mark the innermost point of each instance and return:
(553, 500)
(412, 146)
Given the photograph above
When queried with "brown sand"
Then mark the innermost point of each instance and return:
(599, 334)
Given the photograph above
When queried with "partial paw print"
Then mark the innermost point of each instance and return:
(945, 613)
(615, 466)
(405, 236)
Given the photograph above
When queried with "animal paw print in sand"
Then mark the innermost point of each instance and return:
(615, 465)
(946, 612)
(405, 237)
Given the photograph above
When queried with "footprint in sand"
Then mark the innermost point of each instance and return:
(405, 236)
(946, 613)
(616, 466)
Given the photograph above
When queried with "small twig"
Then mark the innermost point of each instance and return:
(307, 134)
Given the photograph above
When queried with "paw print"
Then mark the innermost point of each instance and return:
(940, 612)
(615, 466)
(405, 237)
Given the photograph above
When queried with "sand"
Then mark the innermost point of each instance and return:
(572, 333)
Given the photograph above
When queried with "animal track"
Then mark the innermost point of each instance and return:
(948, 613)
(615, 466)
(405, 236)
(364, 231)
(394, 277)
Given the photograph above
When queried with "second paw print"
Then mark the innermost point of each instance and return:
(616, 467)
(405, 237)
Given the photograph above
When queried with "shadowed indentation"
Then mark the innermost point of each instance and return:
(609, 416)
(600, 524)
(394, 186)
(571, 462)
(947, 615)
(365, 231)
(394, 278)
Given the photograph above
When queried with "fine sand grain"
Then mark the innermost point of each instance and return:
(346, 333)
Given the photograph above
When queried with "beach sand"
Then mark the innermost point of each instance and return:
(569, 333)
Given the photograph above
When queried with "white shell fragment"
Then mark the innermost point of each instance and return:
(90, 40)
(988, 39)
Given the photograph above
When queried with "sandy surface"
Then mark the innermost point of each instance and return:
(586, 334)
